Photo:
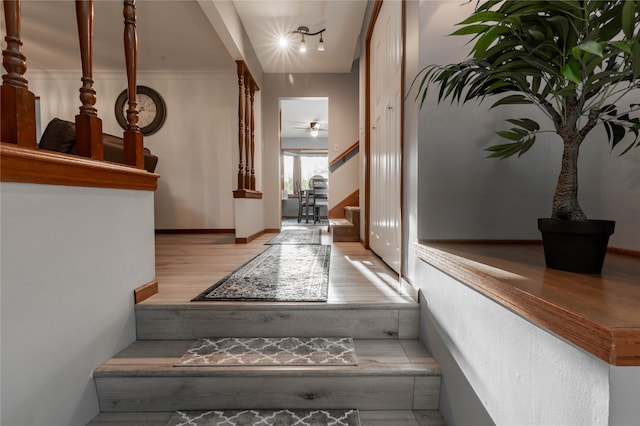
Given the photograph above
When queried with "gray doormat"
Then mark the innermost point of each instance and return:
(297, 236)
(271, 351)
(283, 273)
(266, 417)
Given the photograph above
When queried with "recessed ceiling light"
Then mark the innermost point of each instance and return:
(283, 42)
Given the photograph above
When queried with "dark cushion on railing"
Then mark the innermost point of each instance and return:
(59, 136)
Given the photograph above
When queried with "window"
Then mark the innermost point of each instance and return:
(302, 165)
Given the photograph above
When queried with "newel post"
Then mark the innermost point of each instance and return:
(133, 139)
(88, 125)
(17, 103)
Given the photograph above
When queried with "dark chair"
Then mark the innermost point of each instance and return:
(303, 203)
(320, 189)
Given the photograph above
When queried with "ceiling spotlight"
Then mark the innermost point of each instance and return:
(303, 47)
(321, 44)
(283, 41)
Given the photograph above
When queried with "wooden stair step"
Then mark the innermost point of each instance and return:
(367, 418)
(390, 375)
(265, 319)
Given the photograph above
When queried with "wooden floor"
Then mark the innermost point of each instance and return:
(187, 264)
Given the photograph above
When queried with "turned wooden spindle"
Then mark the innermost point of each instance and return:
(240, 122)
(88, 125)
(247, 134)
(133, 139)
(253, 138)
(18, 105)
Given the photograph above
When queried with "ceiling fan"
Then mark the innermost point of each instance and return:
(314, 128)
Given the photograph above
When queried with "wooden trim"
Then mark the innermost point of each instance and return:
(367, 122)
(196, 231)
(403, 68)
(610, 249)
(337, 211)
(247, 193)
(246, 240)
(145, 291)
(626, 252)
(51, 168)
(344, 154)
(598, 313)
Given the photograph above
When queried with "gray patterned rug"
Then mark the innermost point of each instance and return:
(283, 273)
(296, 236)
(266, 417)
(270, 351)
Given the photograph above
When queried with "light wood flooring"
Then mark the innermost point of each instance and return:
(187, 264)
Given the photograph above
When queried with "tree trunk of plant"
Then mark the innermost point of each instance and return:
(565, 200)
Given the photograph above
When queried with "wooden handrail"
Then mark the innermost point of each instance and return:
(344, 154)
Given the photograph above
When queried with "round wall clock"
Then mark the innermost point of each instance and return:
(152, 110)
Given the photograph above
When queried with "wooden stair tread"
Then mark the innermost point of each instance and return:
(367, 418)
(375, 357)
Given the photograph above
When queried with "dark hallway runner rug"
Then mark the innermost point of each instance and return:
(266, 417)
(296, 351)
(296, 236)
(282, 273)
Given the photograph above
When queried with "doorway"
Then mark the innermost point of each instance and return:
(304, 151)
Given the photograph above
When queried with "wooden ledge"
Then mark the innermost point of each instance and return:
(247, 193)
(51, 168)
(598, 313)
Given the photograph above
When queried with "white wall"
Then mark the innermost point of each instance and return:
(342, 91)
(497, 367)
(196, 147)
(520, 374)
(71, 258)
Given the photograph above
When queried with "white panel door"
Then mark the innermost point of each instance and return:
(385, 148)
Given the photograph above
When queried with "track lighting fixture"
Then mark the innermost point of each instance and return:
(304, 31)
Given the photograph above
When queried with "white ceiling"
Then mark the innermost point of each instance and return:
(298, 113)
(267, 21)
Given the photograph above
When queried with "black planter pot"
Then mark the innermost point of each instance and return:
(575, 246)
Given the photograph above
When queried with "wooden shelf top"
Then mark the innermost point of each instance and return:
(598, 313)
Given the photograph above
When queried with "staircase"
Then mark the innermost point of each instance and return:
(347, 229)
(396, 381)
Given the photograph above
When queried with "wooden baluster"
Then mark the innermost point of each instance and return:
(247, 131)
(17, 104)
(88, 125)
(240, 122)
(253, 138)
(133, 139)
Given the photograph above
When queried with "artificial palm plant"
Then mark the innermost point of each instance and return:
(573, 59)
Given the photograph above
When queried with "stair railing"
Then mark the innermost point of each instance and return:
(341, 159)
(18, 103)
(247, 88)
